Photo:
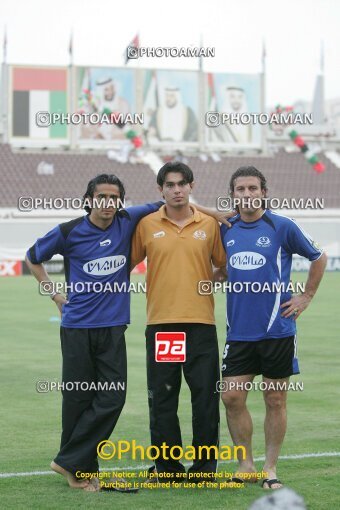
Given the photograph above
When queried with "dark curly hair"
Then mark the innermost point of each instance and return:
(102, 179)
(248, 171)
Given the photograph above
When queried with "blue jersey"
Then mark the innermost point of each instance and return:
(259, 259)
(93, 255)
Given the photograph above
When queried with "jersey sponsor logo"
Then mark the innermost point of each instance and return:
(200, 234)
(230, 243)
(104, 265)
(263, 242)
(247, 260)
(107, 242)
(161, 233)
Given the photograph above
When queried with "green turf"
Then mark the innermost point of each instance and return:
(30, 424)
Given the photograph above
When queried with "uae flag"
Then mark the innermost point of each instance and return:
(212, 103)
(134, 44)
(38, 90)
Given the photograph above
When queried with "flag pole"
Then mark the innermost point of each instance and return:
(200, 57)
(263, 97)
(72, 91)
(70, 48)
(4, 90)
(4, 46)
(202, 95)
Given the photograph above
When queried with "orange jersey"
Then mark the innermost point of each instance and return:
(178, 258)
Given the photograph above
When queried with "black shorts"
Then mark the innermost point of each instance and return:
(274, 358)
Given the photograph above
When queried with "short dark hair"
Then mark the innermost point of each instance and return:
(103, 179)
(248, 171)
(174, 166)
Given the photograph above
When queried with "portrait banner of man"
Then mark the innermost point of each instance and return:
(171, 106)
(235, 95)
(104, 91)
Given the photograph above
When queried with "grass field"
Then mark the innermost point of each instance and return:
(31, 421)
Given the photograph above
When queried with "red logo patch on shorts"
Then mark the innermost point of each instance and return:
(170, 346)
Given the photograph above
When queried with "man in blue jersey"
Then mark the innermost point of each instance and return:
(96, 251)
(261, 327)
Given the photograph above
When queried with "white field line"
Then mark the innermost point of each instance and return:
(144, 466)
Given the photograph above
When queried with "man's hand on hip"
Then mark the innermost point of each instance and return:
(296, 305)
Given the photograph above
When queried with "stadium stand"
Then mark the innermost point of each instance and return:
(71, 173)
(288, 174)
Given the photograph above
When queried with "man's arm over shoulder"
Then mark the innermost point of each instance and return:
(138, 251)
(221, 217)
(218, 252)
(137, 212)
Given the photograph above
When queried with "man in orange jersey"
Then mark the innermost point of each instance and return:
(181, 245)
